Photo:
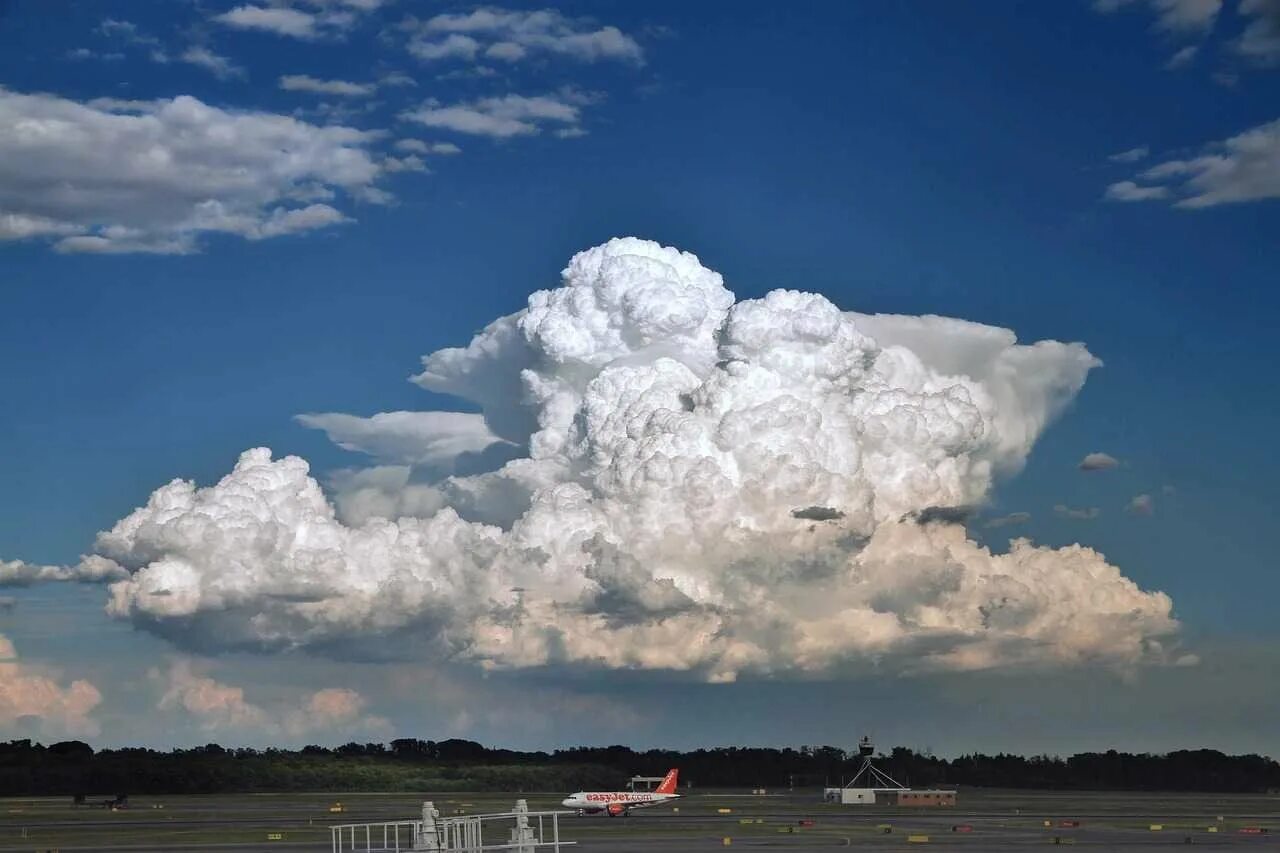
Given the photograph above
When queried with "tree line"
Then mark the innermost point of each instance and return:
(410, 764)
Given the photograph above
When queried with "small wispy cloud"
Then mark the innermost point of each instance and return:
(1098, 462)
(1081, 514)
(1141, 505)
(1182, 58)
(343, 88)
(1245, 167)
(1132, 155)
(1006, 520)
(503, 117)
(1178, 17)
(417, 146)
(397, 79)
(124, 30)
(84, 53)
(219, 66)
(1129, 191)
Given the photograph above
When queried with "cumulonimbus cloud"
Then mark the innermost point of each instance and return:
(664, 448)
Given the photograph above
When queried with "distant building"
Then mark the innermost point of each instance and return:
(888, 789)
(911, 797)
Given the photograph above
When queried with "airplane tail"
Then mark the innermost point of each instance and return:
(668, 785)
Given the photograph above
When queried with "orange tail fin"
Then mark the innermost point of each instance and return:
(668, 785)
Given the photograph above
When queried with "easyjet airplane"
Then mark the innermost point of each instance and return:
(620, 803)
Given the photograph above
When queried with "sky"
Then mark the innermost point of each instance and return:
(649, 505)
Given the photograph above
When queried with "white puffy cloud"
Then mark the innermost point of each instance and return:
(29, 694)
(280, 20)
(664, 447)
(154, 176)
(1245, 167)
(345, 88)
(454, 46)
(1183, 17)
(301, 19)
(502, 117)
(217, 706)
(512, 35)
(1098, 462)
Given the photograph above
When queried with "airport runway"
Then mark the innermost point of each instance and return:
(1005, 821)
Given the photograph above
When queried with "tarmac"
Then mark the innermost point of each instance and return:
(982, 820)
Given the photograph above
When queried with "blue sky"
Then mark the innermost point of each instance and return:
(951, 160)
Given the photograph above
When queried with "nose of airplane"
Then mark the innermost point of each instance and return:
(567, 803)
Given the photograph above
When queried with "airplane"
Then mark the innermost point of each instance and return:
(620, 803)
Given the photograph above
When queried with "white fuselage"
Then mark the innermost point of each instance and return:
(599, 801)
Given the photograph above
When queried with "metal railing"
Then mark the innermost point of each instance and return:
(529, 831)
(394, 836)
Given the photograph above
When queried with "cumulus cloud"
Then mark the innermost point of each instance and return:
(304, 83)
(1260, 40)
(1180, 17)
(658, 437)
(213, 704)
(90, 569)
(154, 176)
(1245, 167)
(219, 707)
(513, 35)
(28, 694)
(1098, 462)
(452, 47)
(301, 19)
(502, 117)
(1141, 505)
(1006, 520)
(280, 20)
(1082, 514)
